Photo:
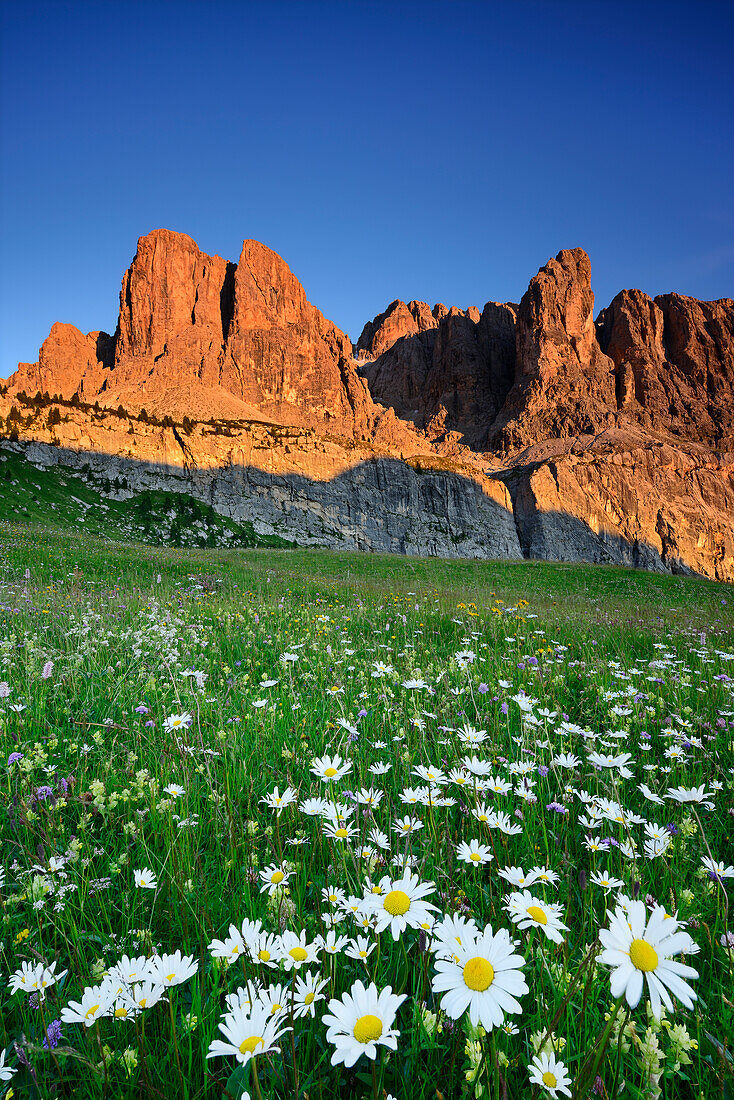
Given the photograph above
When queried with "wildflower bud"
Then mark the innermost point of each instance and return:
(636, 887)
(582, 879)
(422, 941)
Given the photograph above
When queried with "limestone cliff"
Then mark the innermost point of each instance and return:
(518, 429)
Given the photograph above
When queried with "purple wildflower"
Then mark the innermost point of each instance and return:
(53, 1035)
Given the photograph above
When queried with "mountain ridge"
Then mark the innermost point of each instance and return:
(621, 422)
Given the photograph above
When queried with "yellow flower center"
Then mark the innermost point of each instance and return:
(643, 956)
(263, 956)
(308, 999)
(537, 914)
(275, 1008)
(482, 817)
(367, 1029)
(120, 1013)
(91, 1011)
(478, 974)
(475, 857)
(170, 977)
(396, 903)
(250, 1045)
(341, 833)
(549, 1079)
(277, 876)
(298, 953)
(331, 772)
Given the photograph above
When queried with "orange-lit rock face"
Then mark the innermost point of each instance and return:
(68, 362)
(609, 437)
(443, 370)
(173, 306)
(673, 357)
(281, 352)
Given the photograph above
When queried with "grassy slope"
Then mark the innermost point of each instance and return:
(56, 498)
(253, 605)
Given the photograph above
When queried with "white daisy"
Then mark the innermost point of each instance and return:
(400, 904)
(546, 1071)
(483, 975)
(249, 1031)
(360, 1021)
(640, 951)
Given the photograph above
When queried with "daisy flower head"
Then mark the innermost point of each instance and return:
(145, 879)
(473, 852)
(527, 911)
(333, 895)
(517, 877)
(470, 736)
(381, 767)
(717, 870)
(483, 975)
(229, 948)
(34, 978)
(274, 800)
(177, 722)
(545, 875)
(339, 830)
(369, 796)
(172, 969)
(330, 769)
(145, 994)
(273, 878)
(607, 882)
(175, 790)
(640, 951)
(128, 970)
(360, 1021)
(550, 1074)
(307, 994)
(690, 794)
(249, 1032)
(360, 948)
(244, 996)
(401, 904)
(295, 952)
(6, 1071)
(407, 825)
(96, 1001)
(274, 998)
(332, 943)
(264, 948)
(504, 823)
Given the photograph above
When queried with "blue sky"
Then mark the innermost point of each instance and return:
(441, 151)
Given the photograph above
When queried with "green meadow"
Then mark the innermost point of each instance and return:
(245, 791)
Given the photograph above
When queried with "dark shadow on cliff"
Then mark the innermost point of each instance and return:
(379, 505)
(452, 378)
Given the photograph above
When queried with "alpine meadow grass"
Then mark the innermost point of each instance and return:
(293, 824)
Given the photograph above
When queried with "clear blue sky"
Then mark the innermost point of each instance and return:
(441, 151)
